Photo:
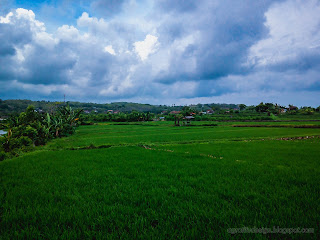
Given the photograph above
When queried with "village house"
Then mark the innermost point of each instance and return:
(187, 120)
(175, 112)
(292, 108)
(210, 111)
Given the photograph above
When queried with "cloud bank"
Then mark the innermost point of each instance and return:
(164, 52)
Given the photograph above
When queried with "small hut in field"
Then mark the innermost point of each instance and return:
(187, 120)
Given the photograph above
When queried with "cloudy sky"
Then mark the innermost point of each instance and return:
(161, 51)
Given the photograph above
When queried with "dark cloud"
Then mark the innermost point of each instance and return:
(302, 62)
(6, 49)
(226, 32)
(17, 34)
(11, 36)
(47, 66)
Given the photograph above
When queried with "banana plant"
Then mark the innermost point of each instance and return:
(57, 126)
(69, 115)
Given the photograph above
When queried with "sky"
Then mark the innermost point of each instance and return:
(161, 51)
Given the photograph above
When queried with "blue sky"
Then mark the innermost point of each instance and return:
(161, 52)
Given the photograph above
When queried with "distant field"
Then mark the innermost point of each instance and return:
(165, 132)
(155, 181)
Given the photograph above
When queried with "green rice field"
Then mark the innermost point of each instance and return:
(155, 181)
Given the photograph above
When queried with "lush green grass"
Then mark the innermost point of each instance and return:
(273, 123)
(315, 116)
(109, 134)
(159, 181)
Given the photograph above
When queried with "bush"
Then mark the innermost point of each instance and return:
(273, 117)
(24, 141)
(2, 156)
(32, 128)
(30, 132)
(9, 143)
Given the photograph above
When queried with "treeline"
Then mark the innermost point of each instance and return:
(278, 109)
(134, 116)
(9, 107)
(87, 119)
(31, 128)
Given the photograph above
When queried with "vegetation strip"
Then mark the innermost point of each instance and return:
(297, 138)
(278, 126)
(146, 146)
(168, 150)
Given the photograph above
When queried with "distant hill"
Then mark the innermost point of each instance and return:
(8, 107)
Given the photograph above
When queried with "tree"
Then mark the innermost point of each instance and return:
(242, 106)
(177, 119)
(186, 111)
(261, 107)
(32, 128)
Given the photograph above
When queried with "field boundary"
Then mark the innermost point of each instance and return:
(149, 146)
(278, 126)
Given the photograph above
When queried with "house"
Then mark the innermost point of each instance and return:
(210, 111)
(292, 108)
(188, 117)
(174, 112)
(187, 120)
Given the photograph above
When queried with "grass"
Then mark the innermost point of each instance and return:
(110, 134)
(159, 181)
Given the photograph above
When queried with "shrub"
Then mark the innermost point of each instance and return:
(2, 156)
(24, 141)
(32, 128)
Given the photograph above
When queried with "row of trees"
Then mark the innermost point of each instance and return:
(277, 109)
(262, 111)
(134, 116)
(8, 107)
(31, 128)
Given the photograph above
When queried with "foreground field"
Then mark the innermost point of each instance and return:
(155, 181)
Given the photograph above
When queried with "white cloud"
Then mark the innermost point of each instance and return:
(94, 24)
(293, 29)
(22, 16)
(28, 15)
(6, 19)
(109, 49)
(68, 33)
(146, 47)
